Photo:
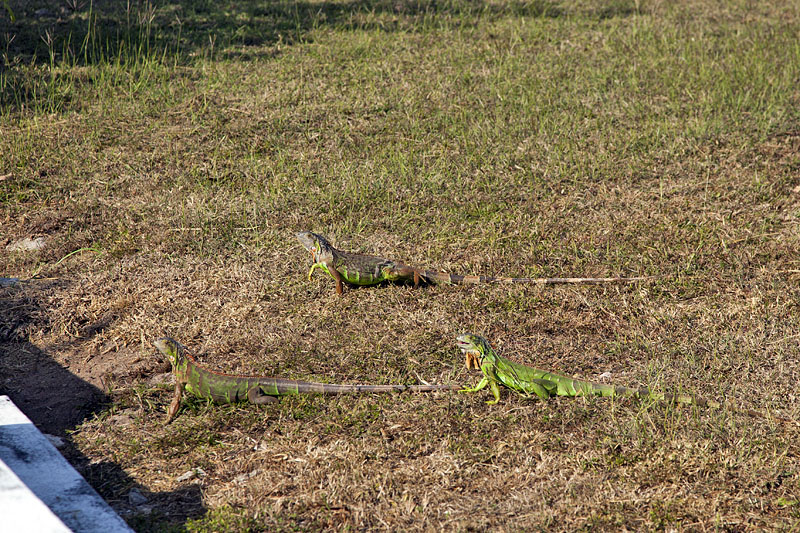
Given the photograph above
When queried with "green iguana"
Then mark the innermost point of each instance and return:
(359, 269)
(228, 388)
(532, 381)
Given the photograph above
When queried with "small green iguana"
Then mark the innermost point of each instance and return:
(532, 381)
(228, 388)
(359, 269)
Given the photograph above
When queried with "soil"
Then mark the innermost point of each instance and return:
(59, 386)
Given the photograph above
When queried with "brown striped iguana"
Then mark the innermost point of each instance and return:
(359, 269)
(229, 388)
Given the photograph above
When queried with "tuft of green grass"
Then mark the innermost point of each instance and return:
(224, 519)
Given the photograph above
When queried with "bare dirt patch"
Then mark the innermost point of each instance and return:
(58, 385)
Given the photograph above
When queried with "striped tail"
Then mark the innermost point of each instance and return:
(288, 386)
(588, 388)
(645, 393)
(455, 279)
(686, 399)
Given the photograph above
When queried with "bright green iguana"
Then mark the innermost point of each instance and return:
(532, 381)
(228, 388)
(359, 269)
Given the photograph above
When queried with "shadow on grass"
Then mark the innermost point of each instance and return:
(49, 37)
(186, 26)
(57, 401)
(52, 397)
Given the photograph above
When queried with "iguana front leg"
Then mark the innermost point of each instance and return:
(176, 401)
(339, 280)
(256, 395)
(482, 385)
(313, 267)
(495, 392)
(332, 271)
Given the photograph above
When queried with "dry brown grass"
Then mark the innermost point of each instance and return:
(566, 138)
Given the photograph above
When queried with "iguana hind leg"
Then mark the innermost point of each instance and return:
(404, 272)
(495, 388)
(256, 395)
(542, 388)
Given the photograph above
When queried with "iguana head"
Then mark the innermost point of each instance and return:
(171, 348)
(321, 250)
(475, 348)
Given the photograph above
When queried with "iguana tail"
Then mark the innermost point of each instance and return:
(289, 386)
(579, 387)
(209, 382)
(455, 279)
(220, 386)
(585, 388)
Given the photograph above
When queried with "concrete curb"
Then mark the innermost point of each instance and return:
(20, 508)
(42, 472)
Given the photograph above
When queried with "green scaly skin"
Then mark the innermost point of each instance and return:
(229, 388)
(528, 380)
(531, 381)
(359, 269)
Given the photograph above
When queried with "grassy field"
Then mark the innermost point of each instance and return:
(168, 151)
